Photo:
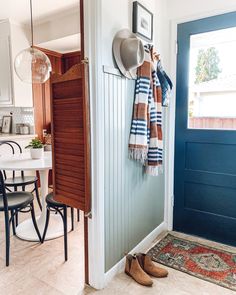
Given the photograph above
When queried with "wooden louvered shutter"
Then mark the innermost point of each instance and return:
(71, 137)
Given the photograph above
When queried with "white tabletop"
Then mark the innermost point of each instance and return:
(24, 162)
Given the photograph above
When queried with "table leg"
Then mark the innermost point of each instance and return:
(44, 191)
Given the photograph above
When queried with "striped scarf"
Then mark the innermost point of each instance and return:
(145, 143)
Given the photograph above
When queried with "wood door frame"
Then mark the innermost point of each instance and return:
(86, 230)
(170, 117)
(93, 50)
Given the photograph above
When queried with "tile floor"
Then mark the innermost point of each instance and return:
(177, 283)
(37, 269)
(40, 270)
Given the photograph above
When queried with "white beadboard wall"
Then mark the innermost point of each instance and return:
(134, 202)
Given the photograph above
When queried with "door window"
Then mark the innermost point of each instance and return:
(212, 80)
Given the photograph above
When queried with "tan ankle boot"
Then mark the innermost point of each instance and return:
(149, 267)
(134, 270)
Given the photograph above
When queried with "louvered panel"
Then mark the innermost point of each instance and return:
(70, 139)
(64, 89)
(72, 169)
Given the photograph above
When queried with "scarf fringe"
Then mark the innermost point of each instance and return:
(139, 155)
(154, 170)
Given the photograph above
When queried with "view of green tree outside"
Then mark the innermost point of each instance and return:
(207, 68)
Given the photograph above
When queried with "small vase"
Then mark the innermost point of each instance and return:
(37, 153)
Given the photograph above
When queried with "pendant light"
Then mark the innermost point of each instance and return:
(32, 65)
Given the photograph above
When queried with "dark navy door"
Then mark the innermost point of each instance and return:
(205, 141)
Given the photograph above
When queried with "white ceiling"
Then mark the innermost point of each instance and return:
(19, 11)
(67, 44)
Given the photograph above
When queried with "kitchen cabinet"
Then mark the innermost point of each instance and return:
(6, 93)
(13, 92)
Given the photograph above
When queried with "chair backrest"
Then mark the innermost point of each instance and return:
(3, 191)
(15, 148)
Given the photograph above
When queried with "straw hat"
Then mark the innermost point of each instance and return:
(128, 52)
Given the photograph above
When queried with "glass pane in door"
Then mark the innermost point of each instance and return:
(212, 80)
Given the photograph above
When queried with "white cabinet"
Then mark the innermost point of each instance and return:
(13, 92)
(6, 93)
(22, 91)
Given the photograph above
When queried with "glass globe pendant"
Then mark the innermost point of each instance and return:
(31, 64)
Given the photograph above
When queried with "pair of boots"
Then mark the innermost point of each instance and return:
(140, 266)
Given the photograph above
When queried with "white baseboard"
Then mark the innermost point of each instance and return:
(141, 247)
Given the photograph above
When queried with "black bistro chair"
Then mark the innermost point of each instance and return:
(57, 207)
(15, 182)
(14, 202)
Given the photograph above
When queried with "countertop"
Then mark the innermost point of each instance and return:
(11, 136)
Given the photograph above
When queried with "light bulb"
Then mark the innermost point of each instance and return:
(32, 66)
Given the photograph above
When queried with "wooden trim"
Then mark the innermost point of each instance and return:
(93, 50)
(111, 70)
(71, 54)
(86, 251)
(49, 52)
(87, 150)
(87, 146)
(44, 105)
(82, 28)
(75, 70)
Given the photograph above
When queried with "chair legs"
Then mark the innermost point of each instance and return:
(7, 234)
(46, 224)
(78, 217)
(64, 219)
(34, 221)
(16, 218)
(65, 233)
(37, 195)
(13, 222)
(72, 218)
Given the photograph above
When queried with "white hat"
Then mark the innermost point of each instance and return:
(128, 52)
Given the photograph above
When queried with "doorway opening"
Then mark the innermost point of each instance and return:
(59, 34)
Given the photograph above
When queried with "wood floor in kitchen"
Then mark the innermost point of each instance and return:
(37, 269)
(40, 269)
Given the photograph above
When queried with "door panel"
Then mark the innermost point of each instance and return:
(205, 141)
(71, 141)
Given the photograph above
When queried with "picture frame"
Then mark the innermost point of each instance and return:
(6, 124)
(142, 21)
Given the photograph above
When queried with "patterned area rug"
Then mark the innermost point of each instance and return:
(204, 262)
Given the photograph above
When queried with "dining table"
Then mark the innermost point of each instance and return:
(23, 162)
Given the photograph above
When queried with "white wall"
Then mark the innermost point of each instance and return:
(57, 27)
(186, 8)
(119, 16)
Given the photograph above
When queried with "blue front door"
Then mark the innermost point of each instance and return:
(205, 141)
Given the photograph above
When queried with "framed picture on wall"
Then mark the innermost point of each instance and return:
(142, 21)
(6, 124)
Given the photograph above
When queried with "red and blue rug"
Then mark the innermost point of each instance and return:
(204, 262)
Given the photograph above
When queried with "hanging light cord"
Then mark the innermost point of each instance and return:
(31, 24)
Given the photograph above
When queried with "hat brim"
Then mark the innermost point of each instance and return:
(119, 37)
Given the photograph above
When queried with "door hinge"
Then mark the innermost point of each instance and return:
(176, 47)
(88, 215)
(85, 60)
(172, 200)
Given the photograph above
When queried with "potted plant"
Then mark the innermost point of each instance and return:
(36, 148)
